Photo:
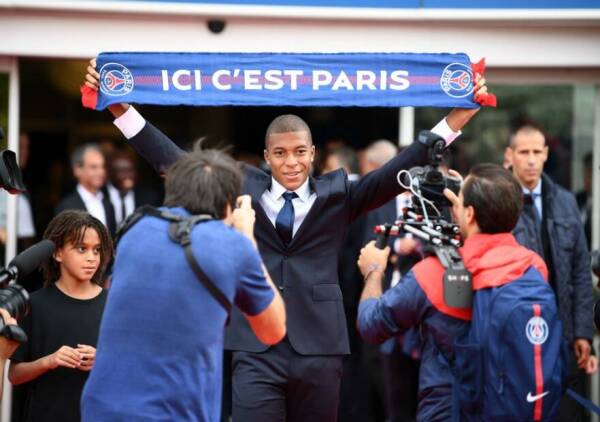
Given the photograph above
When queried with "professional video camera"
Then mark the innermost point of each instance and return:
(10, 174)
(13, 297)
(425, 220)
(428, 183)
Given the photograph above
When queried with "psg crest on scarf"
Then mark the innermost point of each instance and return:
(288, 79)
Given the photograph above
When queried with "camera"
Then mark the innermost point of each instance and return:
(10, 174)
(426, 221)
(428, 183)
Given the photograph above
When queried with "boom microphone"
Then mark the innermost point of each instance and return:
(27, 261)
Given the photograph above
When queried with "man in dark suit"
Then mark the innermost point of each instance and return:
(300, 227)
(550, 225)
(123, 190)
(88, 168)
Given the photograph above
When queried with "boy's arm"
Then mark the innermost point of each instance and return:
(22, 372)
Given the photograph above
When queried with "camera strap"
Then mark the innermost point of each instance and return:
(458, 282)
(180, 231)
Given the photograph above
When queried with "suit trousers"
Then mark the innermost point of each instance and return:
(280, 385)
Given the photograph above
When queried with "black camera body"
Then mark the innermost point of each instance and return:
(429, 181)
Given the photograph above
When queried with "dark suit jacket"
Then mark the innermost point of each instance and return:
(306, 270)
(73, 201)
(568, 261)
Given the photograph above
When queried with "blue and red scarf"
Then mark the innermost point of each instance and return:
(286, 79)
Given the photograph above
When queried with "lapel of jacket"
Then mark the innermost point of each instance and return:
(255, 184)
(322, 188)
(79, 202)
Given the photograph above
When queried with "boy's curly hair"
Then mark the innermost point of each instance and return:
(70, 227)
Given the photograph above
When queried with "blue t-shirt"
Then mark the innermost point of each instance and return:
(159, 354)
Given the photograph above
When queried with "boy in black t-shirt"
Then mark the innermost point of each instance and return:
(64, 320)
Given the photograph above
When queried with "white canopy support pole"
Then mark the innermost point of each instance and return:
(406, 126)
(11, 210)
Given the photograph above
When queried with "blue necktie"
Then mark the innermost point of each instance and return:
(530, 212)
(284, 224)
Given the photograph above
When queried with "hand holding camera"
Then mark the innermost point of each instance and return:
(244, 217)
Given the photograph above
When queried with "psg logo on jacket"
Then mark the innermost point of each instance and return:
(456, 80)
(536, 330)
(115, 79)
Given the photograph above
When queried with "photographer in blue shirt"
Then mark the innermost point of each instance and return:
(160, 350)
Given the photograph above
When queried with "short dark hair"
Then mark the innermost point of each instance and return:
(203, 182)
(287, 123)
(69, 227)
(528, 129)
(496, 196)
(79, 152)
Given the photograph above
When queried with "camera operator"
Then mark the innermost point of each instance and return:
(486, 209)
(160, 348)
(7, 347)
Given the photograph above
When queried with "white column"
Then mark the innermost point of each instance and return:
(406, 126)
(11, 210)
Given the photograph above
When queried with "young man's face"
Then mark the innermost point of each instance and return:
(80, 261)
(527, 156)
(461, 215)
(91, 174)
(290, 156)
(123, 174)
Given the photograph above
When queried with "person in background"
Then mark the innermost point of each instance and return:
(584, 198)
(64, 321)
(88, 166)
(550, 225)
(342, 157)
(123, 190)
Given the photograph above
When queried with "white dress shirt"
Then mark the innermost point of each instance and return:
(93, 203)
(116, 199)
(272, 202)
(537, 194)
(131, 123)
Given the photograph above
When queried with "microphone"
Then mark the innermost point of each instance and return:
(27, 261)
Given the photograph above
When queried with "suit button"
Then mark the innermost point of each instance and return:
(280, 288)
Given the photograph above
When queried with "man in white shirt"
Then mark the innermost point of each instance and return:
(88, 168)
(301, 222)
(123, 190)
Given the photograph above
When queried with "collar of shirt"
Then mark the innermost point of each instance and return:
(277, 190)
(86, 195)
(535, 192)
(112, 191)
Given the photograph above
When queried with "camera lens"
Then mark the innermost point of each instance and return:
(15, 300)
